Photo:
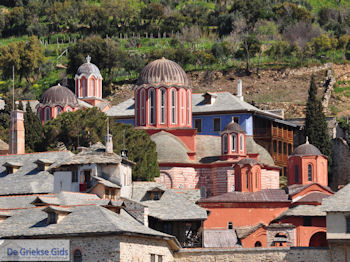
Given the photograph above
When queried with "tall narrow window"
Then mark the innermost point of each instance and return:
(234, 142)
(92, 87)
(240, 142)
(198, 125)
(188, 107)
(230, 225)
(142, 107)
(59, 110)
(136, 108)
(348, 225)
(173, 106)
(256, 180)
(77, 256)
(285, 148)
(247, 178)
(84, 87)
(47, 114)
(279, 147)
(296, 174)
(309, 172)
(225, 143)
(182, 107)
(162, 105)
(216, 124)
(151, 106)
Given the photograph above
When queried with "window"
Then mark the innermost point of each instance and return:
(59, 110)
(168, 228)
(92, 87)
(235, 119)
(162, 105)
(173, 106)
(348, 225)
(74, 176)
(279, 147)
(309, 172)
(142, 107)
(107, 193)
(296, 174)
(274, 146)
(188, 107)
(234, 142)
(153, 258)
(155, 195)
(257, 244)
(289, 149)
(151, 106)
(203, 192)
(240, 142)
(182, 107)
(285, 148)
(247, 178)
(47, 113)
(77, 256)
(84, 87)
(256, 180)
(307, 221)
(160, 258)
(52, 218)
(216, 124)
(225, 143)
(230, 225)
(198, 125)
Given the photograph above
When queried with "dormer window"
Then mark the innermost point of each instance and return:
(12, 167)
(155, 193)
(209, 98)
(55, 214)
(51, 218)
(43, 164)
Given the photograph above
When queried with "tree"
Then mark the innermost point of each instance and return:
(85, 127)
(315, 123)
(33, 130)
(5, 119)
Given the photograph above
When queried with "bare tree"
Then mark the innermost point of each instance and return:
(301, 33)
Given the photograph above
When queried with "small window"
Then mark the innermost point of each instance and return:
(198, 125)
(241, 142)
(256, 179)
(225, 143)
(203, 192)
(285, 148)
(235, 119)
(230, 225)
(77, 256)
(156, 195)
(274, 146)
(307, 221)
(107, 193)
(247, 178)
(74, 176)
(216, 124)
(257, 244)
(153, 258)
(309, 172)
(348, 225)
(173, 106)
(284, 171)
(279, 147)
(234, 142)
(289, 149)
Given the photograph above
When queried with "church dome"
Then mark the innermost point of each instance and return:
(88, 68)
(306, 150)
(163, 71)
(233, 127)
(59, 95)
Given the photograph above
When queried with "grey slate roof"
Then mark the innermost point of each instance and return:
(192, 195)
(233, 127)
(170, 207)
(224, 102)
(59, 95)
(28, 179)
(83, 104)
(306, 150)
(303, 210)
(243, 232)
(247, 161)
(339, 202)
(81, 220)
(220, 238)
(88, 69)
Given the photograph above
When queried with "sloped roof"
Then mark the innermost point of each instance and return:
(192, 195)
(303, 210)
(315, 197)
(83, 104)
(170, 148)
(233, 127)
(220, 238)
(243, 232)
(297, 188)
(265, 195)
(124, 109)
(28, 179)
(171, 206)
(339, 202)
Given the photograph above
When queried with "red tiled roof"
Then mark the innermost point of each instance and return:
(265, 195)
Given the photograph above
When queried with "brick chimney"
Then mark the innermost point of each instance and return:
(17, 133)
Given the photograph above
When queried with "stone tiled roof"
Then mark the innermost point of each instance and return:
(339, 202)
(170, 207)
(265, 195)
(192, 195)
(220, 238)
(243, 232)
(28, 179)
(59, 95)
(88, 68)
(163, 71)
(306, 150)
(233, 127)
(124, 109)
(303, 210)
(82, 220)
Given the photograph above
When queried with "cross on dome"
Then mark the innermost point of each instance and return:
(307, 140)
(88, 59)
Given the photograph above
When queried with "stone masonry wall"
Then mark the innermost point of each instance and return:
(254, 254)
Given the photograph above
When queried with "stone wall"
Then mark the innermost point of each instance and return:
(254, 254)
(340, 167)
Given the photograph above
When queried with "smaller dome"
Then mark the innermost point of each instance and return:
(233, 127)
(88, 68)
(59, 95)
(306, 150)
(163, 71)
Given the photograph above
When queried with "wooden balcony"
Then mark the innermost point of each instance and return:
(282, 134)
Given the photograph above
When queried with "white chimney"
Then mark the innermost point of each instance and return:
(109, 143)
(239, 90)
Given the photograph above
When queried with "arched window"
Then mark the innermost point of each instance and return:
(151, 106)
(256, 179)
(92, 87)
(142, 107)
(84, 87)
(77, 257)
(296, 171)
(247, 178)
(69, 109)
(225, 143)
(234, 142)
(240, 142)
(188, 100)
(309, 172)
(173, 106)
(47, 114)
(257, 244)
(162, 105)
(182, 107)
(59, 110)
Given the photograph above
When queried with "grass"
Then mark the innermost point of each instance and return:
(318, 4)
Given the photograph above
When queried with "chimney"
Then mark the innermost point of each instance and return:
(239, 90)
(17, 134)
(109, 143)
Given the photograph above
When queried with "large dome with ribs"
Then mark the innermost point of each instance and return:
(59, 95)
(163, 71)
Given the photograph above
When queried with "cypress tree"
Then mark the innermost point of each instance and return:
(33, 130)
(315, 123)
